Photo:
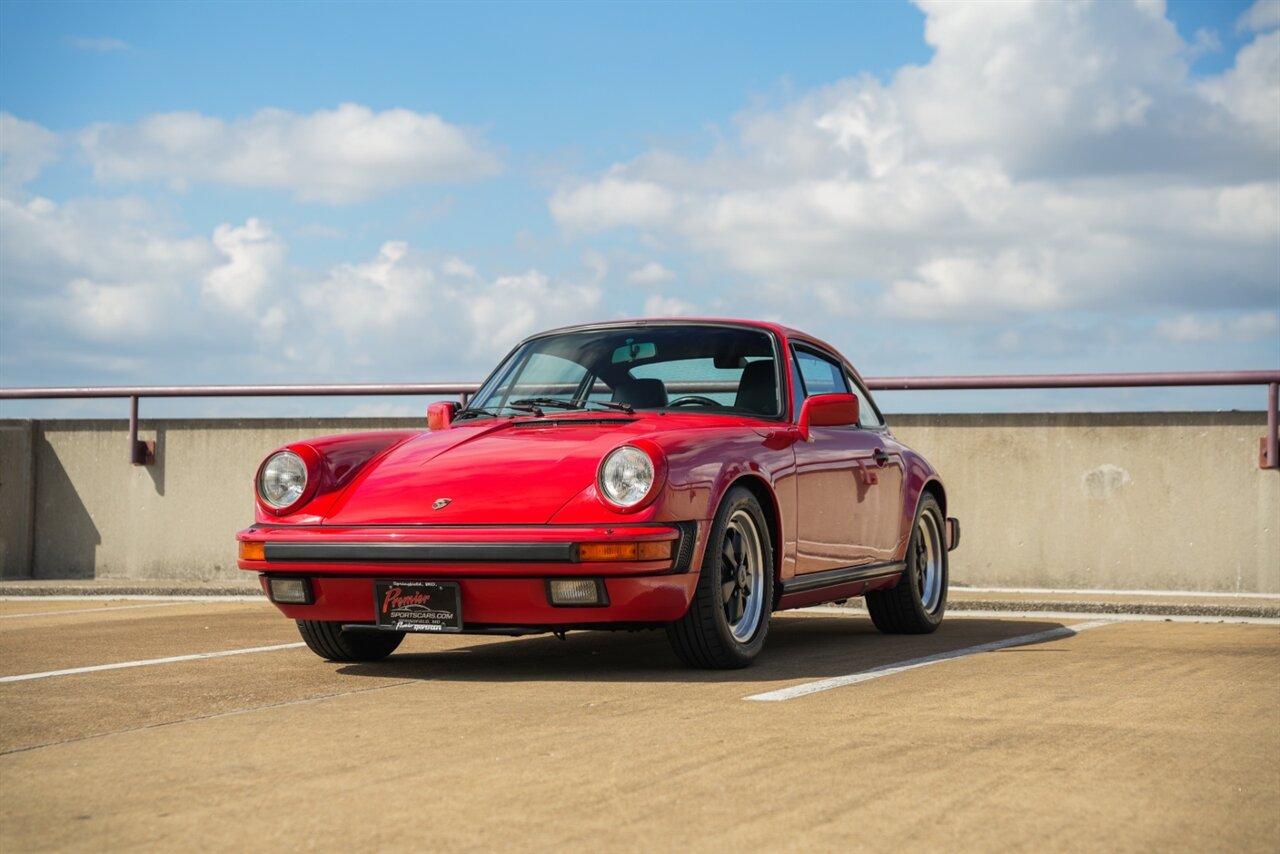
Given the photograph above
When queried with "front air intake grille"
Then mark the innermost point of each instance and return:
(684, 551)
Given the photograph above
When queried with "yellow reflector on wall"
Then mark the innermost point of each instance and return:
(253, 551)
(625, 551)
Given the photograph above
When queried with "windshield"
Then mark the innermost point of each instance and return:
(710, 369)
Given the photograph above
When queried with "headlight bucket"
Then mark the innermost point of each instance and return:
(287, 479)
(629, 477)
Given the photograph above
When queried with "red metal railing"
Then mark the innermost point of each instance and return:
(141, 453)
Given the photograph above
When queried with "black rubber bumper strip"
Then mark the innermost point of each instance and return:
(423, 552)
(836, 577)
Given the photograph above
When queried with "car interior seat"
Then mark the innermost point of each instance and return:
(641, 394)
(758, 388)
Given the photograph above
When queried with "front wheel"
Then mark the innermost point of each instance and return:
(728, 619)
(916, 605)
(330, 641)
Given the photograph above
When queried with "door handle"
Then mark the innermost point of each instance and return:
(881, 458)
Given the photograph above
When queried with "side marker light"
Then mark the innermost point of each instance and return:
(588, 552)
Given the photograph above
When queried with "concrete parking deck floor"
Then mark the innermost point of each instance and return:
(1127, 736)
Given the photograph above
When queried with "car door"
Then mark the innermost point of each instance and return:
(877, 522)
(848, 479)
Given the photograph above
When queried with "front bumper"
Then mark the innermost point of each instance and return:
(502, 573)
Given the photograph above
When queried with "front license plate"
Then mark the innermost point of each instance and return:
(418, 606)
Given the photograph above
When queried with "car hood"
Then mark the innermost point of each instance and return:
(509, 472)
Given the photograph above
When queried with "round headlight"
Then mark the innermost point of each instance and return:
(626, 476)
(282, 480)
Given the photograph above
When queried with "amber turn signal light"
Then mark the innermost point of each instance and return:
(624, 551)
(253, 551)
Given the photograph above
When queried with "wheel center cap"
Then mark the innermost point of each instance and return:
(742, 576)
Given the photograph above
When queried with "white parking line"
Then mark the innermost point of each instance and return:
(1117, 617)
(125, 597)
(88, 610)
(1114, 618)
(1082, 591)
(808, 688)
(23, 677)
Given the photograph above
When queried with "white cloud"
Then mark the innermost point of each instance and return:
(254, 257)
(658, 305)
(339, 156)
(113, 312)
(1259, 325)
(406, 308)
(1025, 81)
(1262, 15)
(25, 150)
(114, 241)
(100, 286)
(1049, 157)
(1250, 91)
(1201, 329)
(948, 287)
(108, 277)
(612, 202)
(1205, 41)
(652, 273)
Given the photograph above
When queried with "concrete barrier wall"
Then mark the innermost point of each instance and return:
(1132, 501)
(1170, 501)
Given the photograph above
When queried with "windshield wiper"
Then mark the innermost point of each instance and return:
(553, 402)
(624, 407)
(557, 403)
(495, 412)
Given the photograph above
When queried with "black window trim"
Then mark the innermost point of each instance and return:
(804, 346)
(853, 378)
(850, 377)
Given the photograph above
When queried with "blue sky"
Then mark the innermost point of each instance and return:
(290, 192)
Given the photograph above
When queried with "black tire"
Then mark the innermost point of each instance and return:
(916, 605)
(329, 641)
(736, 578)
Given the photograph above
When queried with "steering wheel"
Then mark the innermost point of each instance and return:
(697, 400)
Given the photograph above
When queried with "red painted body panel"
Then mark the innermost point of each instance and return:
(833, 501)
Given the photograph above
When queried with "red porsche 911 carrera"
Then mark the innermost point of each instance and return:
(690, 475)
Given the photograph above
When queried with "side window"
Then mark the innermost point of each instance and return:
(820, 374)
(867, 415)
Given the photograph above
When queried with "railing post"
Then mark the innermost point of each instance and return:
(1271, 442)
(140, 453)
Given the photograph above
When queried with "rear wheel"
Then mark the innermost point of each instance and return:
(916, 605)
(328, 640)
(728, 619)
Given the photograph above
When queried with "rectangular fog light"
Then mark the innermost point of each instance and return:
(576, 591)
(291, 591)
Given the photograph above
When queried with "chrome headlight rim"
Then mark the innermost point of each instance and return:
(296, 492)
(640, 457)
